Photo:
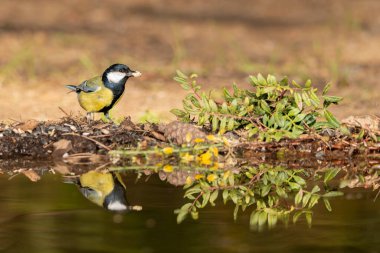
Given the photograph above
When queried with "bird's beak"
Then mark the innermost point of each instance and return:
(134, 73)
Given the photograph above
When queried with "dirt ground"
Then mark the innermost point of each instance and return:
(53, 43)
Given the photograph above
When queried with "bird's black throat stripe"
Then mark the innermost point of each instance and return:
(117, 90)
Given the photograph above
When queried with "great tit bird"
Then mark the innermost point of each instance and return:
(103, 189)
(101, 93)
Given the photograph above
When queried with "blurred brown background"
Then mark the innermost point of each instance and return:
(47, 44)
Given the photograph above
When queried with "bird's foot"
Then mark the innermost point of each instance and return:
(90, 118)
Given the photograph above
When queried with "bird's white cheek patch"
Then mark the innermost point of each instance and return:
(115, 77)
(117, 206)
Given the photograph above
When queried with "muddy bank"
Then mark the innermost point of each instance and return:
(74, 136)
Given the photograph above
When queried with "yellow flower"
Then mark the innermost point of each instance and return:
(199, 140)
(211, 137)
(205, 158)
(187, 158)
(168, 168)
(215, 151)
(225, 141)
(199, 176)
(188, 137)
(167, 150)
(211, 177)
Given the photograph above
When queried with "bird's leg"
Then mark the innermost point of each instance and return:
(88, 117)
(107, 115)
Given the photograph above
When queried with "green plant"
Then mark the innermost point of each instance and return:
(271, 110)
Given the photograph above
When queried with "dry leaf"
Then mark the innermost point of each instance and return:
(28, 125)
(31, 174)
(61, 147)
(367, 122)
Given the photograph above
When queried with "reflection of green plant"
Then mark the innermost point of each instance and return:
(272, 109)
(275, 193)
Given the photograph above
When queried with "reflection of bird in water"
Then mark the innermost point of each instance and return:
(104, 189)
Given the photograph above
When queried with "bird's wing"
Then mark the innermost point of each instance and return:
(91, 85)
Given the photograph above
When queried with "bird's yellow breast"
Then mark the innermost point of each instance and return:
(95, 101)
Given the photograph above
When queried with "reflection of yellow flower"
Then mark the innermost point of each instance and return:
(199, 176)
(211, 177)
(167, 150)
(168, 168)
(205, 159)
(215, 166)
(189, 180)
(187, 158)
(226, 174)
(199, 140)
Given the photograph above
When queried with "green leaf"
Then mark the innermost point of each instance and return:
(181, 216)
(332, 194)
(215, 123)
(327, 204)
(293, 112)
(206, 197)
(298, 100)
(308, 83)
(213, 197)
(231, 124)
(306, 98)
(264, 105)
(236, 210)
(299, 117)
(262, 218)
(265, 190)
(331, 119)
(261, 79)
(181, 74)
(294, 186)
(299, 180)
(313, 200)
(315, 189)
(225, 196)
(253, 81)
(309, 217)
(227, 94)
(297, 215)
(233, 106)
(222, 128)
(326, 89)
(281, 192)
(254, 218)
(333, 99)
(272, 220)
(295, 84)
(179, 113)
(298, 198)
(271, 79)
(305, 199)
(330, 174)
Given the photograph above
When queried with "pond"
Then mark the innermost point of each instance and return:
(54, 214)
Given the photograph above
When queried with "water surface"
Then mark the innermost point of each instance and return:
(51, 216)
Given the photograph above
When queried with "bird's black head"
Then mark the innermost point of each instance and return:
(118, 74)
